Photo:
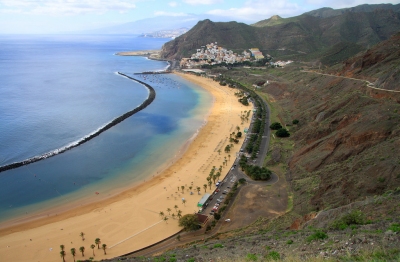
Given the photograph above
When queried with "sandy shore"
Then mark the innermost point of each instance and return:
(131, 220)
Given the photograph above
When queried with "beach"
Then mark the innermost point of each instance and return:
(130, 220)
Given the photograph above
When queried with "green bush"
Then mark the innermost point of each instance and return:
(289, 242)
(217, 216)
(295, 122)
(191, 260)
(251, 257)
(275, 126)
(273, 255)
(218, 245)
(355, 217)
(282, 132)
(317, 235)
(395, 227)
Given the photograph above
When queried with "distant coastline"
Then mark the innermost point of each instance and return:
(151, 54)
(115, 121)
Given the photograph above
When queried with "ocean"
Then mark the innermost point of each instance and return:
(57, 89)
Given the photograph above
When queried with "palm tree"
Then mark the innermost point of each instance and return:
(97, 242)
(183, 201)
(92, 246)
(219, 151)
(190, 188)
(62, 247)
(179, 214)
(183, 187)
(229, 156)
(169, 211)
(82, 249)
(82, 236)
(176, 207)
(209, 183)
(173, 215)
(73, 252)
(214, 178)
(198, 190)
(205, 187)
(62, 254)
(165, 219)
(161, 213)
(104, 248)
(178, 188)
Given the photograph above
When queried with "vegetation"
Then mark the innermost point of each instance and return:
(275, 126)
(282, 132)
(189, 222)
(355, 217)
(255, 172)
(317, 235)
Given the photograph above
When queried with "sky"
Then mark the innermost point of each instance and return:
(55, 16)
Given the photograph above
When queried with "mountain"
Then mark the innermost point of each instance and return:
(229, 34)
(149, 25)
(305, 36)
(328, 12)
(379, 64)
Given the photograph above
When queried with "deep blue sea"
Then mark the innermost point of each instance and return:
(55, 89)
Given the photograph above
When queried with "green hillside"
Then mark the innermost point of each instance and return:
(302, 37)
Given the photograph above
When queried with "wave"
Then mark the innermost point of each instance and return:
(115, 121)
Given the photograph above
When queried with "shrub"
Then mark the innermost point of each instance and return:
(191, 260)
(317, 235)
(242, 181)
(218, 245)
(275, 126)
(289, 242)
(395, 227)
(295, 122)
(282, 132)
(273, 255)
(217, 216)
(251, 257)
(355, 217)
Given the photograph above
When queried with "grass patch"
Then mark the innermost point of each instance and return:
(251, 257)
(218, 245)
(318, 234)
(273, 255)
(395, 227)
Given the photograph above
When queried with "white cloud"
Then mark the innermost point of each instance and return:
(64, 7)
(162, 13)
(256, 10)
(172, 4)
(202, 2)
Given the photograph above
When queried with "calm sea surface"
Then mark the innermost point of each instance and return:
(56, 89)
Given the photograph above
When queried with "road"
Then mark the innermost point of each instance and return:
(369, 84)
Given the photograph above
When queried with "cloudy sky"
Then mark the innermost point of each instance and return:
(52, 16)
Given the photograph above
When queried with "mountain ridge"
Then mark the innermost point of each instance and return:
(303, 34)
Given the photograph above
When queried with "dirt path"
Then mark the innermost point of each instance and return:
(369, 84)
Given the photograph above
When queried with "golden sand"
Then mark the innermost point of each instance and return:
(131, 220)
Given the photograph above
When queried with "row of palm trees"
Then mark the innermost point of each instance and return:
(97, 242)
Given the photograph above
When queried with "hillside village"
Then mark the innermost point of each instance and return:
(212, 54)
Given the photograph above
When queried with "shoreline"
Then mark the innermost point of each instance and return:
(118, 219)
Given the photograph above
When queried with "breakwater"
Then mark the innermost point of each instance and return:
(115, 121)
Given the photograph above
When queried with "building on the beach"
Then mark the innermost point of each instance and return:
(203, 200)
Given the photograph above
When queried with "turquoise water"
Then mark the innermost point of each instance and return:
(57, 89)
